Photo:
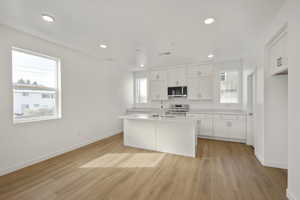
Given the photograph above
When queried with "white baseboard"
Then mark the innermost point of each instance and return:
(222, 139)
(275, 165)
(259, 158)
(53, 154)
(269, 164)
(289, 195)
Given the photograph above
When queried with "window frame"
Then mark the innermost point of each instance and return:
(239, 85)
(58, 101)
(140, 76)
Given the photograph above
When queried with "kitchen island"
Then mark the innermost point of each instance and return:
(170, 134)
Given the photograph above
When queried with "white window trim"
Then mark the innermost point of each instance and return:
(58, 86)
(136, 76)
(240, 87)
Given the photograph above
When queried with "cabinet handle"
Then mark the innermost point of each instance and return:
(157, 76)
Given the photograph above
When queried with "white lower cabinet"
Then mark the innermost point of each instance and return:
(205, 127)
(221, 128)
(227, 127)
(230, 127)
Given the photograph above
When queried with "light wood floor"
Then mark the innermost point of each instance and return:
(107, 170)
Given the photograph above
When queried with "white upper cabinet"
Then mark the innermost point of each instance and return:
(176, 77)
(277, 53)
(158, 90)
(158, 75)
(200, 82)
(199, 71)
(158, 85)
(200, 88)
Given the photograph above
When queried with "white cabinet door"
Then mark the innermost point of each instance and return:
(199, 71)
(194, 92)
(176, 77)
(158, 75)
(237, 130)
(200, 88)
(158, 90)
(206, 127)
(221, 128)
(230, 126)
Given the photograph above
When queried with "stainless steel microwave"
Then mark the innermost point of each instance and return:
(177, 91)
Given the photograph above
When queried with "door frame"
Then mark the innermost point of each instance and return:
(251, 93)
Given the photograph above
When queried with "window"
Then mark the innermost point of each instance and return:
(36, 86)
(47, 96)
(229, 87)
(141, 93)
(25, 94)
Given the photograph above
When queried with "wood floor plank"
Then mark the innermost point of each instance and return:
(106, 170)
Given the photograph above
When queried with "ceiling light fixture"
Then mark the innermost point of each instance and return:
(142, 65)
(48, 18)
(103, 46)
(209, 20)
(210, 56)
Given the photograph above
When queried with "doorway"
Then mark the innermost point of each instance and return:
(251, 109)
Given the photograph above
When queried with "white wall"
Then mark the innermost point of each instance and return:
(94, 94)
(294, 101)
(271, 109)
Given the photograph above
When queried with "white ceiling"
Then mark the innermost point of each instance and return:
(153, 26)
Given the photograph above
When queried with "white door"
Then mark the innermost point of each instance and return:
(250, 110)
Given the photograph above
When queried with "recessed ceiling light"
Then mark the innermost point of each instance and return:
(209, 20)
(210, 56)
(103, 46)
(48, 18)
(142, 65)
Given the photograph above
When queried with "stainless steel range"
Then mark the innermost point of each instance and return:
(178, 109)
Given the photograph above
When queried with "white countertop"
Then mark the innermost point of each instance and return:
(159, 118)
(192, 111)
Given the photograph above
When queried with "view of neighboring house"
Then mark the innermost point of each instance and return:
(32, 99)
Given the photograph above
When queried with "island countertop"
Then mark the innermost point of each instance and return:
(166, 133)
(157, 117)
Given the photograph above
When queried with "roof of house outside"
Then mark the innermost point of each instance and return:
(21, 86)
